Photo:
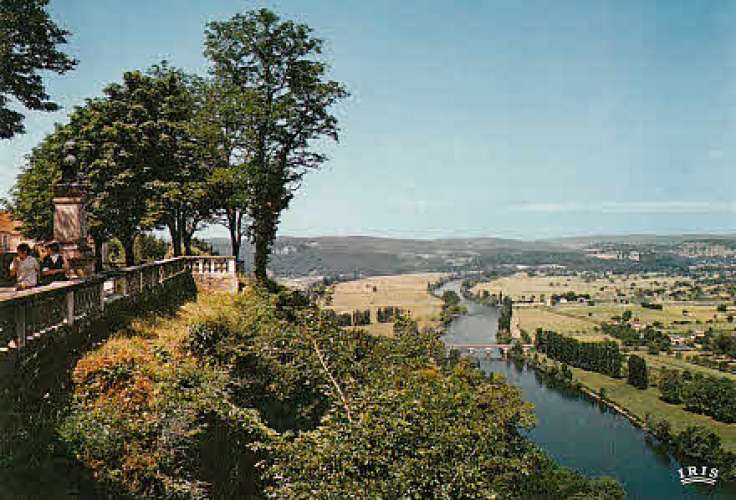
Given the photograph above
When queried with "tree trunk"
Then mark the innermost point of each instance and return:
(233, 225)
(175, 232)
(129, 255)
(98, 255)
(262, 245)
(187, 237)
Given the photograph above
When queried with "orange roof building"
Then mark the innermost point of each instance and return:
(10, 235)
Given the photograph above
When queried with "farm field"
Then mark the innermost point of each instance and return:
(662, 360)
(582, 320)
(521, 286)
(407, 291)
(640, 403)
(531, 318)
(697, 315)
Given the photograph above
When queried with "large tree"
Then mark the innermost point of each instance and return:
(220, 124)
(638, 374)
(29, 42)
(183, 157)
(135, 155)
(276, 68)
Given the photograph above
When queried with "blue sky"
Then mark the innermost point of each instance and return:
(475, 118)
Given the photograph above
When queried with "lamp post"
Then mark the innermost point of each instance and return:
(70, 218)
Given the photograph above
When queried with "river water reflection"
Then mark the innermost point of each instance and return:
(576, 430)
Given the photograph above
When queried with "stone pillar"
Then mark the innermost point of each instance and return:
(70, 229)
(70, 220)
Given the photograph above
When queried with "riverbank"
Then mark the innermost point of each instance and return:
(581, 430)
(642, 403)
(590, 392)
(639, 406)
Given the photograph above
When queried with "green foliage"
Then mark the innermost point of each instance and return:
(37, 383)
(148, 248)
(670, 385)
(388, 313)
(32, 195)
(638, 374)
(696, 445)
(361, 318)
(504, 314)
(450, 298)
(712, 396)
(451, 306)
(602, 357)
(631, 337)
(429, 435)
(136, 151)
(504, 337)
(29, 42)
(650, 305)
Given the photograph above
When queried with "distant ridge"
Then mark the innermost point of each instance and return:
(640, 239)
(372, 255)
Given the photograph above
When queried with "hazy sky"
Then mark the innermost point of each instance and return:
(475, 118)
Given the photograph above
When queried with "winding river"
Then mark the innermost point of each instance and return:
(578, 431)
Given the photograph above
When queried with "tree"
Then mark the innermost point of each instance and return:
(148, 248)
(133, 142)
(638, 375)
(273, 65)
(135, 155)
(31, 198)
(626, 316)
(29, 42)
(221, 124)
(179, 184)
(697, 444)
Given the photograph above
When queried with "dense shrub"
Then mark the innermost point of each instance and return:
(638, 374)
(695, 445)
(712, 396)
(602, 357)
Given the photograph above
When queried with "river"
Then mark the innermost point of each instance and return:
(578, 431)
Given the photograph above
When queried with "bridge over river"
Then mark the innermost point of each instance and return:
(486, 349)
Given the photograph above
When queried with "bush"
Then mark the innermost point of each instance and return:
(638, 374)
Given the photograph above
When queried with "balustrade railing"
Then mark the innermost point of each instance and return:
(27, 315)
(212, 265)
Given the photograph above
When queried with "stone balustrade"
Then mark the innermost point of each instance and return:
(214, 274)
(28, 315)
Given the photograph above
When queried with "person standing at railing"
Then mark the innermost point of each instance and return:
(25, 268)
(53, 267)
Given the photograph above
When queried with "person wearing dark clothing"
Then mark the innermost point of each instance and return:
(53, 266)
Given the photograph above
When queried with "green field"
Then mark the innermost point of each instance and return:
(699, 316)
(585, 320)
(671, 362)
(641, 403)
(548, 318)
(523, 287)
